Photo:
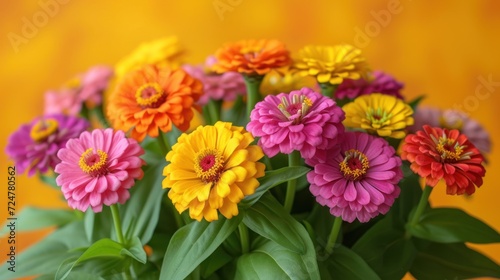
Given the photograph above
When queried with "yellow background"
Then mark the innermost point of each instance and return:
(439, 48)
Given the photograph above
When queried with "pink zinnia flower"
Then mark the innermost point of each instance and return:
(453, 119)
(226, 86)
(99, 168)
(34, 146)
(358, 179)
(302, 120)
(86, 88)
(380, 83)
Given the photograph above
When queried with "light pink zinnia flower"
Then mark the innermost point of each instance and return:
(84, 88)
(99, 168)
(358, 179)
(226, 86)
(453, 119)
(302, 120)
(380, 83)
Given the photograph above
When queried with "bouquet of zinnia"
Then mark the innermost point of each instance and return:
(257, 164)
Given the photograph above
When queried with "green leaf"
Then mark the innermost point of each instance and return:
(135, 250)
(295, 266)
(414, 103)
(33, 218)
(258, 266)
(272, 179)
(45, 256)
(49, 180)
(386, 250)
(104, 248)
(98, 225)
(451, 225)
(217, 259)
(345, 264)
(408, 199)
(268, 218)
(193, 243)
(141, 212)
(452, 261)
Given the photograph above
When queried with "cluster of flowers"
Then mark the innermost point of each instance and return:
(293, 107)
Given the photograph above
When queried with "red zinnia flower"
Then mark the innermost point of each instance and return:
(437, 153)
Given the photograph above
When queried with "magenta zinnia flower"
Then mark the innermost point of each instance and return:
(99, 168)
(226, 86)
(34, 146)
(302, 120)
(358, 179)
(86, 88)
(380, 83)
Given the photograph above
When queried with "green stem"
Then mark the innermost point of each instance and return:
(243, 230)
(332, 239)
(177, 215)
(422, 204)
(293, 160)
(118, 228)
(163, 141)
(328, 89)
(99, 113)
(214, 108)
(118, 224)
(253, 92)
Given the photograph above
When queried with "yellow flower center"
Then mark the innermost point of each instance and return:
(209, 165)
(43, 129)
(450, 150)
(150, 95)
(377, 117)
(94, 164)
(354, 165)
(296, 110)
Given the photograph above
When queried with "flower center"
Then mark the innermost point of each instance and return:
(377, 117)
(296, 110)
(450, 150)
(209, 165)
(150, 95)
(354, 165)
(43, 129)
(94, 164)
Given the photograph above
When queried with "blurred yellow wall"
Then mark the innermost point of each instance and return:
(440, 48)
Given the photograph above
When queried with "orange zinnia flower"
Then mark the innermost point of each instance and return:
(153, 98)
(251, 57)
(436, 154)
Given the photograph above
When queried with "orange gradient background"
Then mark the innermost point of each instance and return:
(436, 48)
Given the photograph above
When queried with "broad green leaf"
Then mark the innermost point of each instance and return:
(100, 249)
(452, 261)
(193, 243)
(272, 179)
(74, 276)
(294, 265)
(33, 218)
(386, 250)
(49, 180)
(451, 225)
(258, 265)
(45, 256)
(98, 225)
(268, 218)
(217, 259)
(344, 263)
(140, 214)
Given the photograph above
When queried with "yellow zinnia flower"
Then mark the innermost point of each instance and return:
(332, 64)
(278, 81)
(212, 169)
(378, 113)
(161, 52)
